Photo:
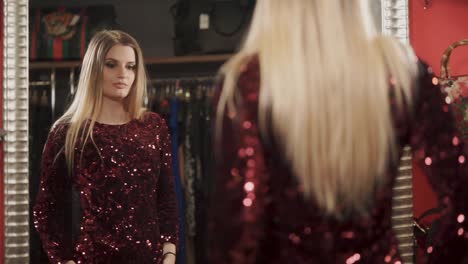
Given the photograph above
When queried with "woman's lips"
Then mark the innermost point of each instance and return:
(120, 85)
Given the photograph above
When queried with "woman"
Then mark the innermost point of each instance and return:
(116, 158)
(314, 112)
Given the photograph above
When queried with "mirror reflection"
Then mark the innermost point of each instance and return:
(73, 79)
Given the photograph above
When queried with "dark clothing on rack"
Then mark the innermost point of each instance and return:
(173, 125)
(189, 171)
(204, 166)
(40, 120)
(127, 193)
(276, 224)
(192, 123)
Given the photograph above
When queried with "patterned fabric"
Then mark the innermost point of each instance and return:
(189, 171)
(456, 89)
(457, 95)
(64, 33)
(174, 127)
(127, 194)
(259, 214)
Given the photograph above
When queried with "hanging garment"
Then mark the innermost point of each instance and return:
(174, 126)
(189, 175)
(456, 88)
(206, 180)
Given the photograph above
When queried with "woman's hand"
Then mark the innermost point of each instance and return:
(169, 253)
(169, 259)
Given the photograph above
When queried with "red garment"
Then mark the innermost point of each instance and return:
(127, 196)
(260, 216)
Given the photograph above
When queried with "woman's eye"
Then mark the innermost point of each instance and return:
(110, 65)
(131, 67)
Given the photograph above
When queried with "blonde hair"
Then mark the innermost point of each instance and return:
(325, 78)
(82, 114)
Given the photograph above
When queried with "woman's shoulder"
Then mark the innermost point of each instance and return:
(426, 79)
(249, 76)
(243, 65)
(250, 67)
(154, 118)
(58, 133)
(60, 127)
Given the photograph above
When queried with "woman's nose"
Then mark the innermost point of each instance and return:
(122, 72)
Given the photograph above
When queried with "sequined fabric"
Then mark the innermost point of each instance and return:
(258, 214)
(127, 195)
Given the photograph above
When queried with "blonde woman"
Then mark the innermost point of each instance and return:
(312, 118)
(116, 158)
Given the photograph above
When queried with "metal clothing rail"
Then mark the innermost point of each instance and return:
(183, 79)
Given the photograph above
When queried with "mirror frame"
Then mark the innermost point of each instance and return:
(16, 113)
(15, 124)
(395, 22)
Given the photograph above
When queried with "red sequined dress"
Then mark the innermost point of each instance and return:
(126, 194)
(258, 214)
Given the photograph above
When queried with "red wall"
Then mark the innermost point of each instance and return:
(432, 30)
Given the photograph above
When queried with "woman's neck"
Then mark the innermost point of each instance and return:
(113, 112)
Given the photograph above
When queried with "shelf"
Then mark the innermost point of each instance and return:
(189, 59)
(149, 61)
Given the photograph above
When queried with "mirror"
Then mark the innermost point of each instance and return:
(15, 124)
(46, 87)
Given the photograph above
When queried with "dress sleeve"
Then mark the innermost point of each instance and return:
(49, 209)
(167, 200)
(237, 215)
(439, 150)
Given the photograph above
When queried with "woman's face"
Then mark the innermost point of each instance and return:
(119, 72)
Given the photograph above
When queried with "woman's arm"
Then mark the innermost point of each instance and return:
(49, 210)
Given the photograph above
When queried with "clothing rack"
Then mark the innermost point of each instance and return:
(52, 81)
(184, 79)
(183, 100)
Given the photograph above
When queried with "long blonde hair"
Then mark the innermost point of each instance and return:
(325, 77)
(82, 114)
